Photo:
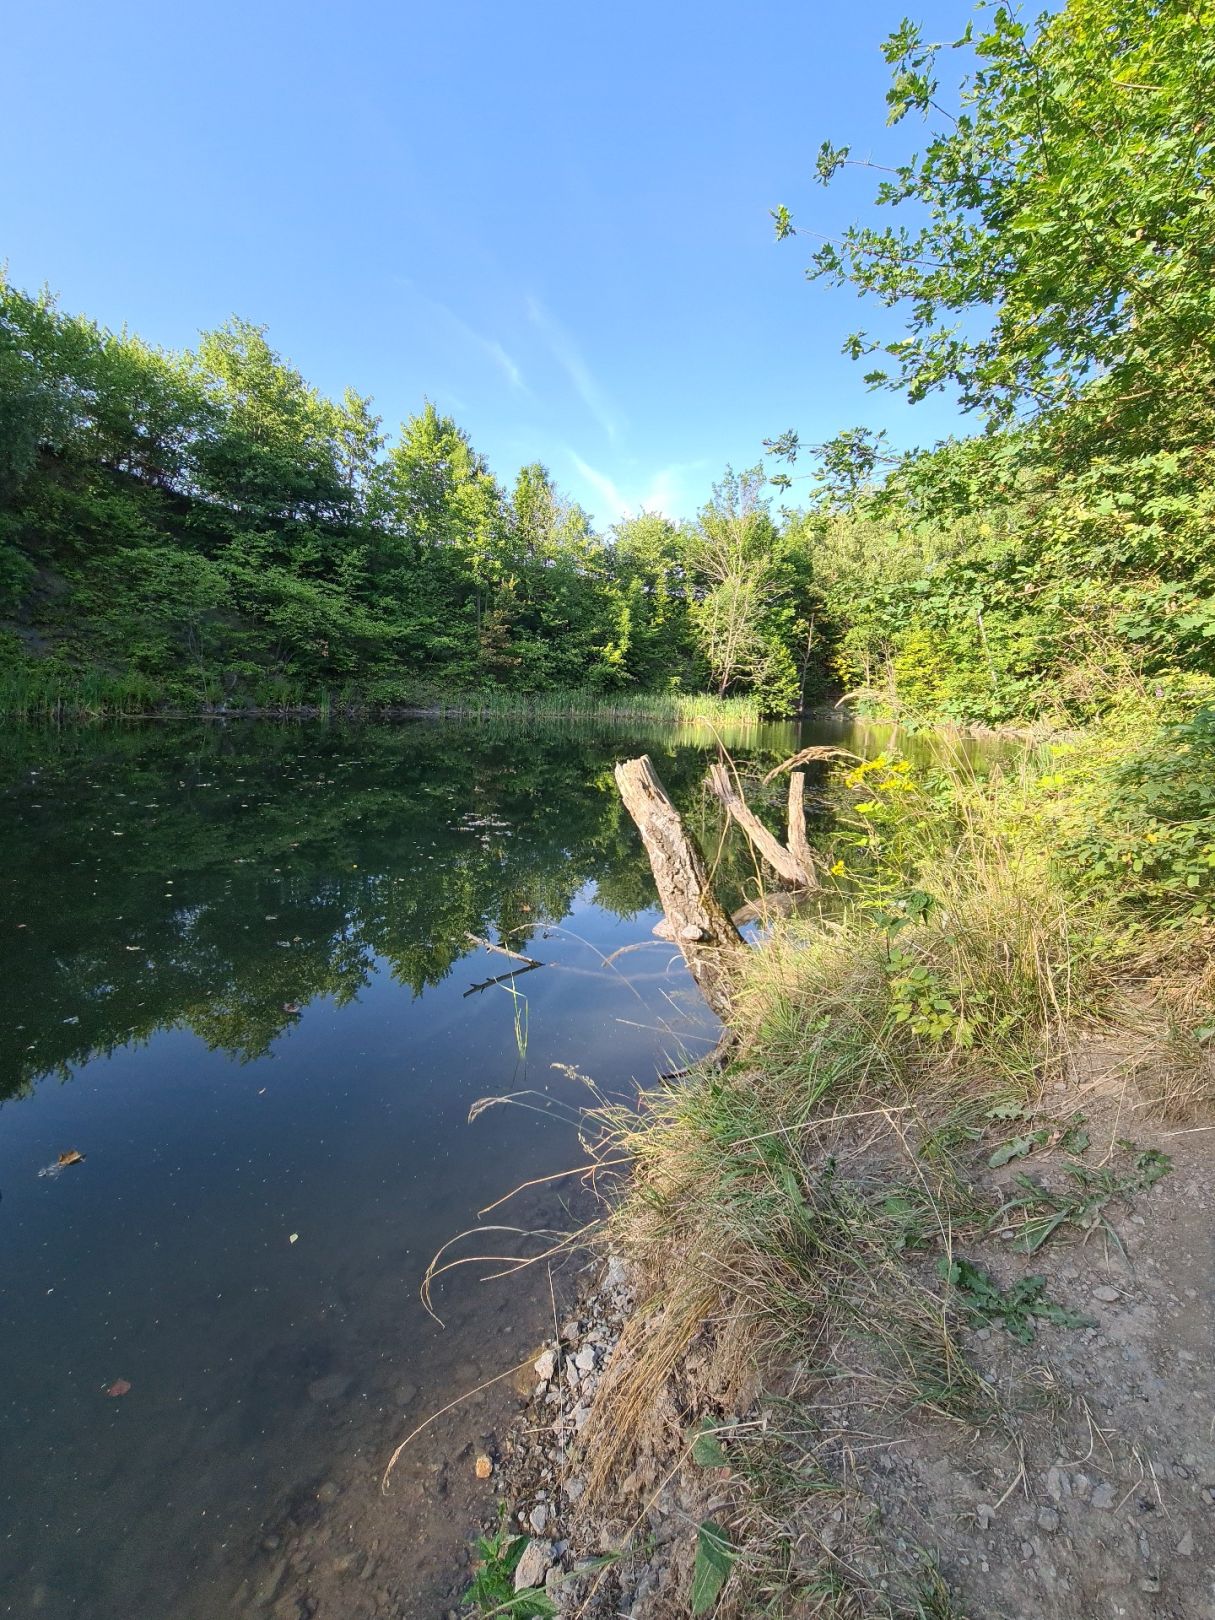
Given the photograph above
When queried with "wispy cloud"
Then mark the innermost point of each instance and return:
(488, 346)
(614, 503)
(565, 352)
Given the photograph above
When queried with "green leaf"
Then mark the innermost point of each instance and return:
(706, 1448)
(714, 1560)
(1016, 1149)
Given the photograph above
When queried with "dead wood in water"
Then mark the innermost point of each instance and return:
(501, 978)
(697, 920)
(818, 752)
(799, 844)
(502, 950)
(783, 862)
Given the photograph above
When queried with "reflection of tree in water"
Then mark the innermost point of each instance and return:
(214, 877)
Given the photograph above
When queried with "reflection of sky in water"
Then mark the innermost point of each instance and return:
(259, 871)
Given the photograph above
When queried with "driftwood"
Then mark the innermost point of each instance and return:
(698, 922)
(502, 950)
(784, 862)
(502, 978)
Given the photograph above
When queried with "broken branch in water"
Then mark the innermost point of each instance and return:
(502, 978)
(515, 956)
(820, 751)
(783, 861)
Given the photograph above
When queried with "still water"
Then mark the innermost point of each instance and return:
(239, 976)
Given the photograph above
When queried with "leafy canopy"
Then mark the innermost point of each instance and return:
(1058, 239)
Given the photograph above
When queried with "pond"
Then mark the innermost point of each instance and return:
(240, 977)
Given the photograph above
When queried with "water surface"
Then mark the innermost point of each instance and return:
(236, 975)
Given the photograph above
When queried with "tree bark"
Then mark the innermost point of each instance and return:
(710, 943)
(786, 866)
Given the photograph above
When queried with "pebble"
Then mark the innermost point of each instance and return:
(1185, 1547)
(331, 1388)
(538, 1518)
(585, 1359)
(985, 1515)
(1103, 1496)
(1106, 1294)
(1048, 1520)
(328, 1492)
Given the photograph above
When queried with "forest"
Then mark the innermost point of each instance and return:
(204, 529)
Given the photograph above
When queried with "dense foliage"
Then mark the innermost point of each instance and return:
(1057, 273)
(206, 528)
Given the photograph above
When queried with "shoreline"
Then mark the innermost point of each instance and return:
(907, 1310)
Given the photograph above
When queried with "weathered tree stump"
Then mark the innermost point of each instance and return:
(782, 861)
(698, 922)
(799, 844)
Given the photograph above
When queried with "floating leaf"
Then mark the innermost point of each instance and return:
(120, 1386)
(71, 1157)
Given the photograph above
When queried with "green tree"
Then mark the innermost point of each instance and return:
(748, 593)
(1061, 247)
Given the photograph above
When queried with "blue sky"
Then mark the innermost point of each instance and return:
(551, 219)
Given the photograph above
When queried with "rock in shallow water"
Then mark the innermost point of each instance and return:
(546, 1365)
(331, 1388)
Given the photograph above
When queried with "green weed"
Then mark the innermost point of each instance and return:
(492, 1591)
(1016, 1309)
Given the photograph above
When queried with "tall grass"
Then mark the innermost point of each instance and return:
(671, 708)
(28, 694)
(33, 693)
